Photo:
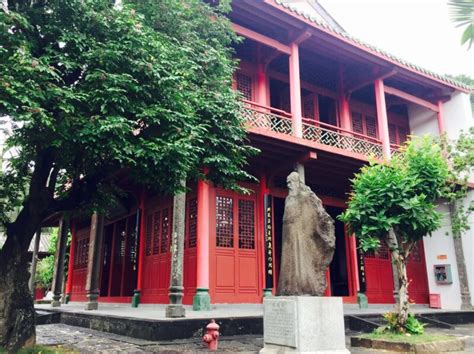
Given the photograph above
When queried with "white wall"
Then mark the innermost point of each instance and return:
(468, 248)
(457, 116)
(439, 246)
(422, 120)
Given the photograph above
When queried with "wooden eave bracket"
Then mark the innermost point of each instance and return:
(307, 156)
(361, 82)
(260, 38)
(410, 98)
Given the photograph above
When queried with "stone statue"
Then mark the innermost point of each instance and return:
(308, 242)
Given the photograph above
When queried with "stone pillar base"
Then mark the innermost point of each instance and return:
(174, 311)
(56, 302)
(202, 300)
(303, 324)
(362, 301)
(92, 303)
(136, 298)
(267, 292)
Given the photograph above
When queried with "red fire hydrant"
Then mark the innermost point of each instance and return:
(210, 338)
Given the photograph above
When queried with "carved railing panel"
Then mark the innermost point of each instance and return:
(278, 121)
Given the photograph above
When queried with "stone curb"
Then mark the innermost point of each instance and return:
(450, 345)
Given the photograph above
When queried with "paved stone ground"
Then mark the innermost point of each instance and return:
(90, 341)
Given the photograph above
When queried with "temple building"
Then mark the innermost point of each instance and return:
(317, 99)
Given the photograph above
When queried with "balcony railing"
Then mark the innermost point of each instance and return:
(278, 121)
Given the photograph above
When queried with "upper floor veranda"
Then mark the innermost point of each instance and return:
(306, 83)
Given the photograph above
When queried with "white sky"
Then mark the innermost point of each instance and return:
(419, 31)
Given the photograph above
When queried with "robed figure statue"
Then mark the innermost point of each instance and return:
(308, 242)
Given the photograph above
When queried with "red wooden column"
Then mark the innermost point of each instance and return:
(295, 90)
(382, 120)
(141, 252)
(72, 252)
(261, 85)
(440, 118)
(202, 300)
(345, 112)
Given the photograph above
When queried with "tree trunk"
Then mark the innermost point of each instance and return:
(399, 258)
(403, 304)
(17, 314)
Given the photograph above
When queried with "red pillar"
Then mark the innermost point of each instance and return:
(202, 300)
(141, 252)
(345, 112)
(262, 85)
(295, 90)
(440, 118)
(382, 120)
(70, 267)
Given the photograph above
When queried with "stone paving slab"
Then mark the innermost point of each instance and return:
(90, 341)
(157, 311)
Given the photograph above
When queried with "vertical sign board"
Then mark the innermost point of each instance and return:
(268, 207)
(361, 264)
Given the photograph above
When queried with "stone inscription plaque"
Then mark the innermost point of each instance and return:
(279, 322)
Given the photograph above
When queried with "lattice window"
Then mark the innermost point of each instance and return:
(156, 232)
(224, 222)
(382, 253)
(371, 125)
(149, 234)
(165, 228)
(192, 219)
(392, 133)
(82, 253)
(246, 224)
(415, 255)
(357, 123)
(402, 134)
(308, 108)
(244, 85)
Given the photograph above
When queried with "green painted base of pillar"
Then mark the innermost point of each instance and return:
(67, 298)
(136, 298)
(267, 292)
(362, 301)
(202, 300)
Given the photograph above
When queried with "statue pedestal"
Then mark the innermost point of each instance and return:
(303, 324)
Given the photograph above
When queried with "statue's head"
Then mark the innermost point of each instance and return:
(294, 183)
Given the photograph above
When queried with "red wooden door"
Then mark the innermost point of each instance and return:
(157, 254)
(190, 257)
(379, 276)
(234, 259)
(416, 271)
(81, 256)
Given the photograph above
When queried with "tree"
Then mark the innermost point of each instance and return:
(394, 202)
(462, 13)
(92, 90)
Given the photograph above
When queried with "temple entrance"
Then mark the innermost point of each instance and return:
(338, 269)
(339, 275)
(119, 258)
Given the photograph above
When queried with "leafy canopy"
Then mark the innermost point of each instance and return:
(398, 195)
(91, 90)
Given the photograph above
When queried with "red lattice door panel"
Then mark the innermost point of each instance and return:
(379, 276)
(234, 262)
(418, 291)
(81, 257)
(157, 263)
(190, 243)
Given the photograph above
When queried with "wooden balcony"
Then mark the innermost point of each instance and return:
(278, 123)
